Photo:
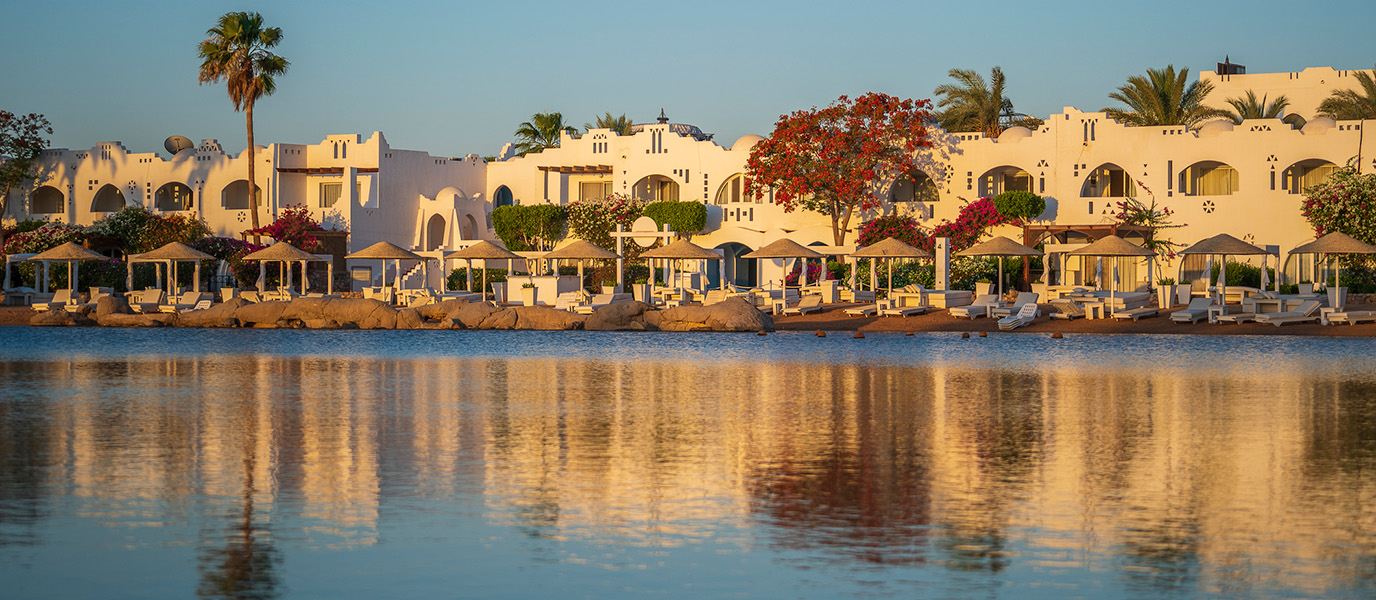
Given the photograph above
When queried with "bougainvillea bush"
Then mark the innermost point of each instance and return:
(46, 237)
(294, 226)
(1346, 202)
(595, 219)
(140, 230)
(902, 228)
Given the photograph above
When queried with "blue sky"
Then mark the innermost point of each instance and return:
(452, 78)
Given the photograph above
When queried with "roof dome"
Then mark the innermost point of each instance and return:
(1319, 125)
(1015, 133)
(746, 142)
(1215, 127)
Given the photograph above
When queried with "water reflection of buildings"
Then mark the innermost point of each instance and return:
(1216, 482)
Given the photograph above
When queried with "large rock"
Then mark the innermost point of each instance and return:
(546, 319)
(440, 310)
(306, 309)
(138, 320)
(253, 314)
(732, 314)
(504, 318)
(367, 313)
(618, 316)
(408, 318)
(53, 318)
(472, 314)
(112, 305)
(218, 315)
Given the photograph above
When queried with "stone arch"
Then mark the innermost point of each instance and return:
(468, 228)
(1004, 178)
(656, 188)
(914, 186)
(1108, 181)
(741, 272)
(1208, 178)
(108, 199)
(1305, 174)
(235, 195)
(173, 196)
(502, 197)
(434, 232)
(47, 200)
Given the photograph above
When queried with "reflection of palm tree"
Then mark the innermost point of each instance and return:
(246, 566)
(1249, 107)
(1162, 98)
(541, 132)
(1348, 105)
(619, 125)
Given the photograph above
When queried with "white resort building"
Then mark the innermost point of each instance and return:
(1245, 180)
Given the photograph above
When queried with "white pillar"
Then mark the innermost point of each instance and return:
(942, 252)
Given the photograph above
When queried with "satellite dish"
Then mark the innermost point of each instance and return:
(177, 143)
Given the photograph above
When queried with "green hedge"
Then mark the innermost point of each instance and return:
(1020, 206)
(685, 218)
(529, 228)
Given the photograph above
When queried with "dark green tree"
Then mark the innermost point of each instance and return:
(1162, 97)
(541, 132)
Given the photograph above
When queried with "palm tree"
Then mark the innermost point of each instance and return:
(619, 125)
(971, 105)
(238, 52)
(541, 132)
(1162, 98)
(1351, 105)
(1250, 108)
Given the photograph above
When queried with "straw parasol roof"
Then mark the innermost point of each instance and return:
(682, 249)
(281, 251)
(1112, 246)
(1223, 244)
(1335, 243)
(483, 250)
(580, 250)
(67, 251)
(176, 251)
(999, 246)
(890, 248)
(385, 251)
(784, 248)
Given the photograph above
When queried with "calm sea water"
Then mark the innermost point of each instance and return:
(340, 464)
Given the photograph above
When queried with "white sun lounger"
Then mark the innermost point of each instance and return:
(1308, 311)
(1024, 316)
(1136, 313)
(1023, 299)
(1352, 317)
(809, 303)
(979, 308)
(62, 300)
(867, 310)
(902, 311)
(1197, 311)
(1066, 309)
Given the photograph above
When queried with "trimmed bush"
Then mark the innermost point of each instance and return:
(529, 228)
(685, 218)
(1020, 207)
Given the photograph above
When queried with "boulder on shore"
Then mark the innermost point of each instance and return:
(618, 316)
(732, 314)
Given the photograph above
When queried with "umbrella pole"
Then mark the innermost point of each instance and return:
(1000, 277)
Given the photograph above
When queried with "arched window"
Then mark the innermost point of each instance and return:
(469, 230)
(998, 180)
(47, 200)
(1108, 181)
(735, 189)
(108, 199)
(1306, 174)
(434, 232)
(502, 197)
(915, 186)
(656, 188)
(1208, 178)
(173, 196)
(235, 195)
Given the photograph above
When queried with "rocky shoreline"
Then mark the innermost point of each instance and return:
(358, 313)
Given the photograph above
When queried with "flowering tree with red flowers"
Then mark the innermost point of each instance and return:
(294, 226)
(827, 160)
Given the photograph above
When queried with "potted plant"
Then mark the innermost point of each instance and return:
(641, 290)
(1168, 293)
(610, 287)
(984, 287)
(529, 294)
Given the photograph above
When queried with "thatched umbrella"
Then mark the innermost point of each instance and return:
(173, 253)
(681, 250)
(1000, 247)
(484, 251)
(279, 252)
(1113, 246)
(70, 253)
(580, 251)
(889, 249)
(1335, 243)
(385, 251)
(1224, 245)
(786, 248)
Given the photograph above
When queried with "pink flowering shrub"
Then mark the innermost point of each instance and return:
(595, 219)
(46, 237)
(294, 226)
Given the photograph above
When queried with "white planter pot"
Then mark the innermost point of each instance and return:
(610, 289)
(984, 289)
(1337, 297)
(1169, 295)
(641, 292)
(498, 291)
(529, 295)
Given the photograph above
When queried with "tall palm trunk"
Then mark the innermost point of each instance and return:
(252, 182)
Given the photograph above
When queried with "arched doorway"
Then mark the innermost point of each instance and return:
(469, 229)
(655, 188)
(235, 195)
(46, 200)
(173, 196)
(108, 199)
(739, 271)
(502, 197)
(434, 232)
